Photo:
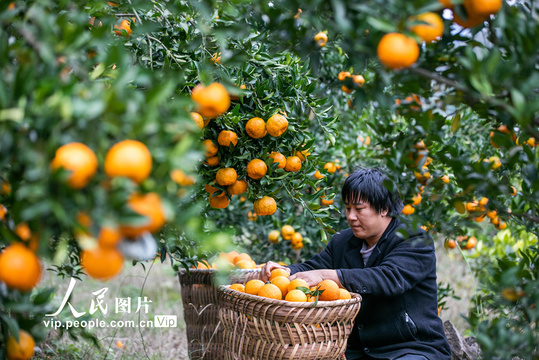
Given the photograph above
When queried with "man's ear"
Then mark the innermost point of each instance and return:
(384, 212)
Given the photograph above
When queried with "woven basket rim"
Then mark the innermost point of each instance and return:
(356, 298)
(183, 270)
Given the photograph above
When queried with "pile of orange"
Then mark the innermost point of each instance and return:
(465, 242)
(477, 211)
(279, 287)
(229, 260)
(358, 81)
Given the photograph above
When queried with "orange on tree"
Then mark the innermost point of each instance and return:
(451, 244)
(239, 187)
(318, 175)
(344, 294)
(252, 216)
(253, 286)
(102, 263)
(265, 206)
(148, 205)
(212, 100)
(416, 200)
(211, 148)
(129, 158)
(109, 236)
(218, 202)
(408, 209)
(347, 89)
(276, 125)
(293, 164)
(296, 238)
(279, 158)
(294, 284)
(212, 161)
(124, 25)
(77, 158)
(296, 296)
(3, 212)
(491, 214)
(270, 291)
(358, 79)
(197, 119)
(226, 176)
(329, 166)
(432, 30)
(227, 137)
(256, 169)
(256, 128)
(472, 19)
(179, 177)
(238, 287)
(343, 75)
(483, 7)
(19, 267)
(212, 190)
(321, 39)
(287, 232)
(297, 246)
(273, 236)
(397, 51)
(325, 202)
(22, 350)
(330, 290)
(445, 179)
(470, 243)
(302, 154)
(282, 283)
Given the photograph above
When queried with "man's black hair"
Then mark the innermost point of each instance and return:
(374, 187)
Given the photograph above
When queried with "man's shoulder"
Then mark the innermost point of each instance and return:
(341, 237)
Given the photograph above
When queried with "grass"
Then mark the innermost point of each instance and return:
(160, 284)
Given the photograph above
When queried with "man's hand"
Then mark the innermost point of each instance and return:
(265, 271)
(314, 277)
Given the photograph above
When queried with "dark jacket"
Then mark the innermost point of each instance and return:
(399, 311)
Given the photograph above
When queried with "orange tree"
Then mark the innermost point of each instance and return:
(450, 99)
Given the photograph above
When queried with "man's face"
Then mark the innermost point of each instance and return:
(365, 221)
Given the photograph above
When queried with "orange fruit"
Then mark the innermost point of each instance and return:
(227, 137)
(11, 6)
(245, 264)
(148, 205)
(358, 79)
(502, 225)
(212, 190)
(297, 246)
(102, 263)
(432, 30)
(318, 175)
(321, 39)
(212, 161)
(287, 232)
(331, 290)
(483, 7)
(265, 206)
(252, 216)
(197, 119)
(109, 236)
(451, 244)
(303, 154)
(216, 58)
(282, 283)
(218, 202)
(3, 212)
(124, 25)
(22, 350)
(470, 244)
(212, 100)
(19, 267)
(211, 148)
(445, 179)
(242, 256)
(408, 210)
(279, 158)
(297, 283)
(226, 176)
(347, 90)
(296, 238)
(5, 187)
(329, 166)
(293, 164)
(471, 21)
(278, 272)
(491, 214)
(238, 287)
(296, 296)
(270, 291)
(273, 236)
(129, 158)
(256, 128)
(179, 177)
(239, 187)
(256, 169)
(344, 295)
(276, 125)
(397, 51)
(202, 265)
(416, 200)
(77, 158)
(446, 4)
(253, 286)
(343, 75)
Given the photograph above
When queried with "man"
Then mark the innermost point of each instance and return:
(393, 268)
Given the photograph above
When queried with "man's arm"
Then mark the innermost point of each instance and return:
(401, 270)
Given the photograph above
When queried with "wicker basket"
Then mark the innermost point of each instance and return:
(257, 328)
(201, 309)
